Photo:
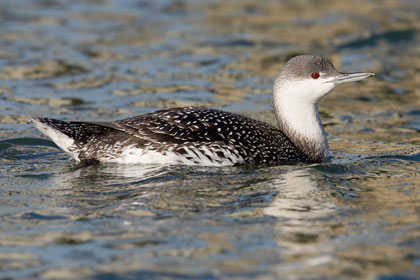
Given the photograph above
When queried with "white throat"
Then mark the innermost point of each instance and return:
(296, 107)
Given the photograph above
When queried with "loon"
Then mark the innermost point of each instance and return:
(210, 137)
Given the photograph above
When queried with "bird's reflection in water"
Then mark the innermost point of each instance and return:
(105, 188)
(298, 203)
(219, 207)
(110, 175)
(303, 210)
(297, 200)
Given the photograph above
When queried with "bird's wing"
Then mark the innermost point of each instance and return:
(174, 126)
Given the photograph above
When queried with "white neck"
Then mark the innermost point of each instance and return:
(298, 117)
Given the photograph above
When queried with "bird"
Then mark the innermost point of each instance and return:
(212, 137)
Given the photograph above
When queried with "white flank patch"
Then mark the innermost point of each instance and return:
(59, 138)
(132, 154)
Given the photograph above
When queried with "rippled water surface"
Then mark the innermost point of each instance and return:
(356, 217)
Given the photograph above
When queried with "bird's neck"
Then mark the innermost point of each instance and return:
(299, 120)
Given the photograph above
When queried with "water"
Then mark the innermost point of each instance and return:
(356, 217)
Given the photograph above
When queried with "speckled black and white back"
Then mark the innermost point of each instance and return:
(191, 136)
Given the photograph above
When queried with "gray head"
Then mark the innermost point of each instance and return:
(312, 77)
(303, 66)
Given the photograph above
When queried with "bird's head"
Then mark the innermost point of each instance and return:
(308, 78)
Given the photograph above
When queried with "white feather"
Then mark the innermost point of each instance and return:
(60, 139)
(133, 154)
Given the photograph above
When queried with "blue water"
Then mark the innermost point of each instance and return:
(355, 217)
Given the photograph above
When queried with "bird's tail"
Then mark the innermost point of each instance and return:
(69, 136)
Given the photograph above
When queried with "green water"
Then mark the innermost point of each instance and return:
(356, 217)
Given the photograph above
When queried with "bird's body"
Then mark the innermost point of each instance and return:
(190, 136)
(200, 136)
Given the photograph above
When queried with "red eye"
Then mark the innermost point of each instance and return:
(315, 75)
